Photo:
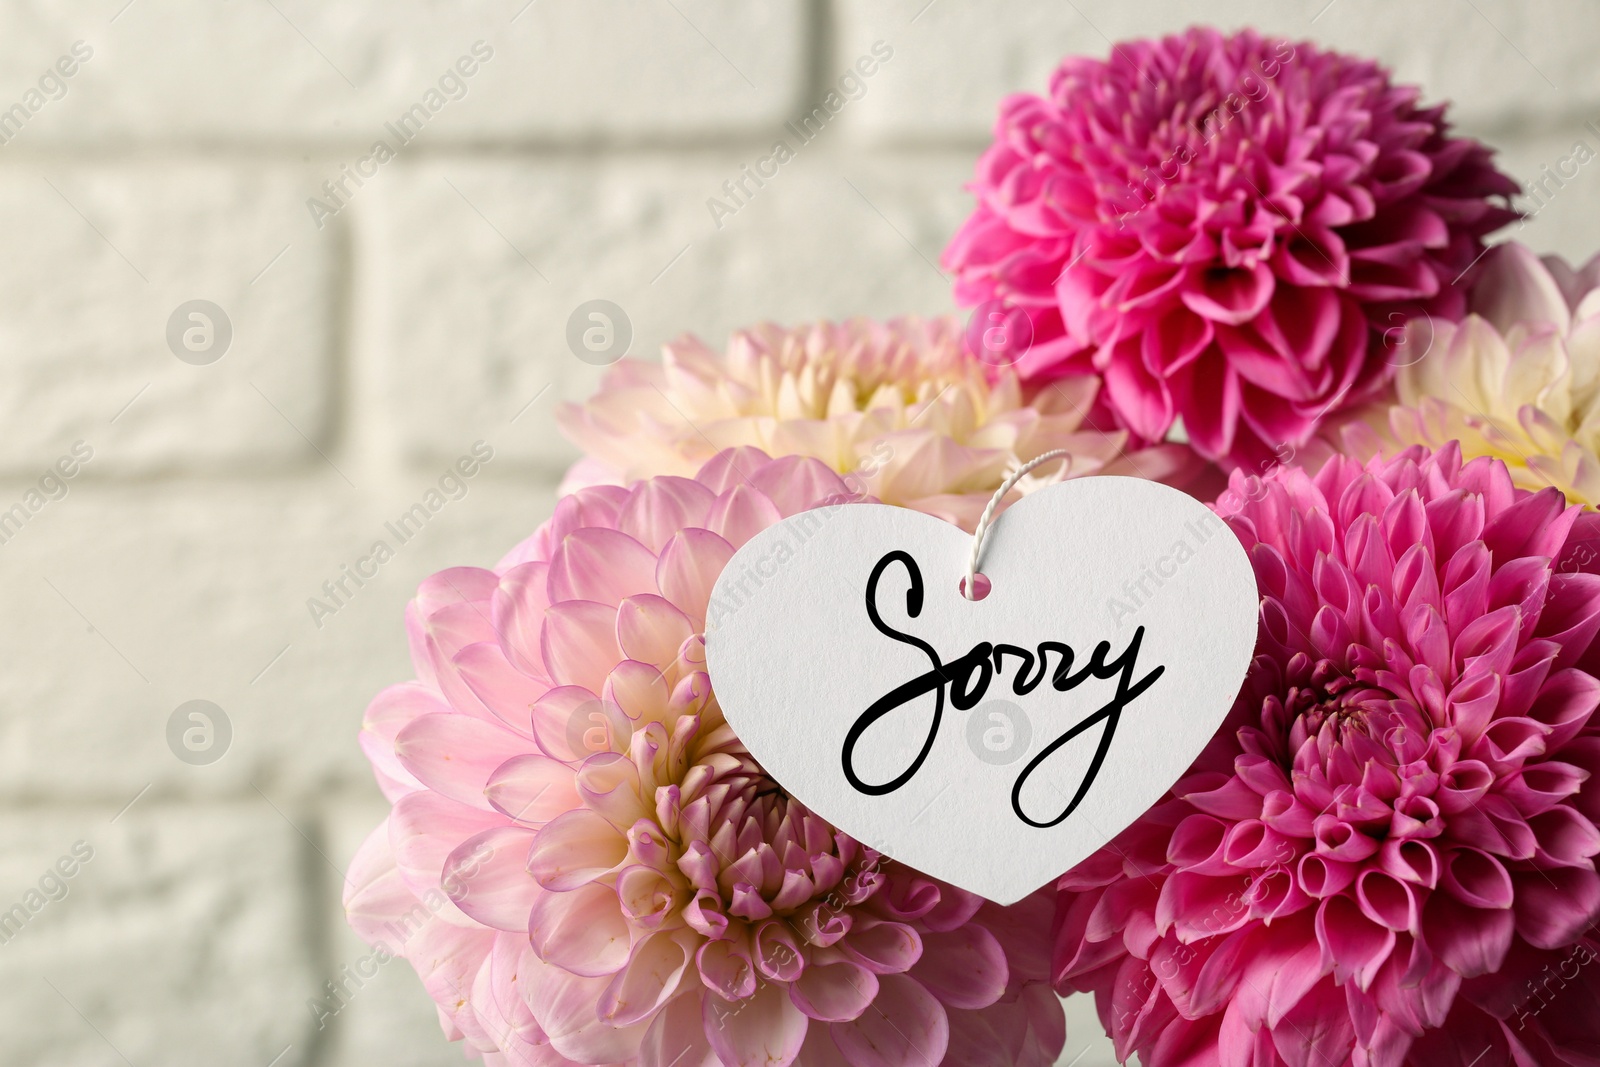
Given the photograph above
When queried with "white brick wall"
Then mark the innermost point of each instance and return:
(424, 314)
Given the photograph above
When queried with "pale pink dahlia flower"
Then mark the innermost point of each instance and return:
(1518, 379)
(1223, 227)
(584, 864)
(899, 408)
(1386, 856)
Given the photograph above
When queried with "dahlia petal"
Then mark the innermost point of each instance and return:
(837, 991)
(455, 754)
(1213, 398)
(1195, 842)
(451, 625)
(1238, 1043)
(597, 507)
(1465, 1035)
(646, 982)
(1567, 699)
(1125, 911)
(726, 469)
(905, 1027)
(447, 958)
(651, 630)
(564, 717)
(578, 642)
(915, 898)
(1471, 704)
(1142, 398)
(742, 512)
(1231, 800)
(677, 1037)
(1353, 945)
(1191, 1045)
(1515, 287)
(516, 614)
(796, 483)
(580, 930)
(1410, 861)
(1565, 838)
(442, 646)
(689, 565)
(497, 1001)
(883, 947)
(390, 711)
(778, 955)
(1016, 927)
(1387, 901)
(1322, 876)
(574, 849)
(659, 509)
(1476, 878)
(1198, 906)
(1470, 941)
(990, 1038)
(609, 784)
(455, 585)
(1137, 996)
(601, 566)
(965, 968)
(1231, 296)
(1317, 1030)
(640, 692)
(762, 1030)
(563, 1003)
(374, 894)
(1221, 972)
(1338, 839)
(486, 876)
(648, 896)
(726, 968)
(1555, 907)
(503, 689)
(532, 789)
(819, 1049)
(424, 828)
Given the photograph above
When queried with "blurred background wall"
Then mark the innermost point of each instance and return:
(348, 350)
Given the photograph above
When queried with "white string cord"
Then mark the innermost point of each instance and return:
(981, 531)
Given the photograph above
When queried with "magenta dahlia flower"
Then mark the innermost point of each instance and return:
(1224, 227)
(1387, 855)
(584, 864)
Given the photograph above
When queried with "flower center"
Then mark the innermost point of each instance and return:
(1348, 712)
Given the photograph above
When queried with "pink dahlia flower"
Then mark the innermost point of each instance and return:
(584, 864)
(1224, 228)
(1387, 855)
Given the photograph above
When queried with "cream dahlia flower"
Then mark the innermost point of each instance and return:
(1518, 379)
(899, 408)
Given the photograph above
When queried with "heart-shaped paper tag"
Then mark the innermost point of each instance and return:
(991, 743)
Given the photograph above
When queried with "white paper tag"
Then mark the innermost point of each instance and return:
(994, 743)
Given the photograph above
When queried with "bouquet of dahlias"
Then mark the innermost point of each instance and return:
(1241, 261)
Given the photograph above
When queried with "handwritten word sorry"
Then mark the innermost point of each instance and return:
(969, 677)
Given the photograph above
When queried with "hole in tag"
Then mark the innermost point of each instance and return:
(980, 587)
